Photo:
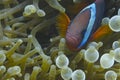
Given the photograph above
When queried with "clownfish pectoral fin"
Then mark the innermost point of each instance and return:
(62, 23)
(101, 33)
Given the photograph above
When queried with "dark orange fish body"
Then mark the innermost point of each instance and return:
(84, 24)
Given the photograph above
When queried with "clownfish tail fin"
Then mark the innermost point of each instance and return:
(62, 22)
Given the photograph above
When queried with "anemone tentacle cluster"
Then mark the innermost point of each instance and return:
(31, 47)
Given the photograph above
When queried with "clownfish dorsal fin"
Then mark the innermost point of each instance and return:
(62, 23)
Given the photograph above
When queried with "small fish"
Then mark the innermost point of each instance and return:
(84, 25)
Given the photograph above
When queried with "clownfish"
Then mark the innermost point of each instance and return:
(86, 22)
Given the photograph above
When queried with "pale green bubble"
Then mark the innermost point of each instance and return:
(41, 13)
(2, 69)
(66, 73)
(106, 61)
(2, 57)
(27, 76)
(91, 54)
(78, 75)
(117, 55)
(116, 44)
(110, 75)
(105, 21)
(15, 70)
(29, 9)
(97, 45)
(56, 5)
(114, 23)
(62, 61)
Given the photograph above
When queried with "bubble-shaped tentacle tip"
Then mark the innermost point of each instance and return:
(15, 70)
(12, 78)
(56, 5)
(2, 69)
(106, 61)
(62, 61)
(29, 9)
(2, 57)
(36, 70)
(114, 23)
(66, 73)
(110, 75)
(116, 44)
(91, 54)
(41, 13)
(27, 76)
(62, 44)
(96, 45)
(105, 21)
(78, 75)
(117, 55)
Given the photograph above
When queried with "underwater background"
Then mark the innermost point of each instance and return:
(33, 44)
